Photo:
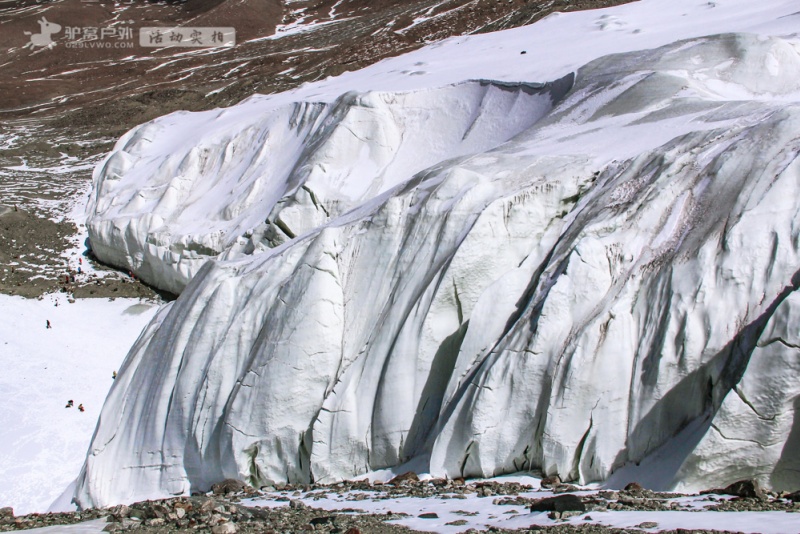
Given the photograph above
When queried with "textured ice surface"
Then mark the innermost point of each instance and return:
(487, 277)
(165, 203)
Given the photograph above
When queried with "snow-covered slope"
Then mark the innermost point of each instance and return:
(564, 272)
(43, 443)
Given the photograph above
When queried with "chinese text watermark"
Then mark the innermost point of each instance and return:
(187, 37)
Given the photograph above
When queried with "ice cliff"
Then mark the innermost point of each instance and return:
(568, 276)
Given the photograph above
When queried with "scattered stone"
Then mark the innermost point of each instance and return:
(6, 512)
(565, 488)
(224, 528)
(214, 514)
(119, 512)
(409, 476)
(297, 505)
(634, 486)
(549, 482)
(229, 485)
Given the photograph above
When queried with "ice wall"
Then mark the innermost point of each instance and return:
(560, 280)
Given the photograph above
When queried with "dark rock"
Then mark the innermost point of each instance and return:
(6, 512)
(746, 489)
(559, 503)
(634, 486)
(409, 476)
(794, 497)
(429, 515)
(322, 520)
(353, 530)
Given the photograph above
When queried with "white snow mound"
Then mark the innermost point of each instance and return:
(494, 278)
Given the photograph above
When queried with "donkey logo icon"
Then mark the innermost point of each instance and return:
(43, 39)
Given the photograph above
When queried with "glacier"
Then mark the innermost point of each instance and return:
(487, 273)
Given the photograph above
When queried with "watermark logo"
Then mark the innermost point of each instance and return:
(93, 37)
(122, 36)
(44, 37)
(187, 37)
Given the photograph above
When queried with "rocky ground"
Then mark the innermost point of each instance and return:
(34, 261)
(225, 509)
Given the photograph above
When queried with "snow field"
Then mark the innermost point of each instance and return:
(44, 443)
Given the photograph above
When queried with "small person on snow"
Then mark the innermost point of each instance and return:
(48, 323)
(70, 404)
(80, 261)
(80, 408)
(114, 375)
(79, 269)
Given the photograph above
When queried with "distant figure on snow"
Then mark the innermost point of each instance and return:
(79, 269)
(114, 375)
(48, 323)
(70, 404)
(80, 407)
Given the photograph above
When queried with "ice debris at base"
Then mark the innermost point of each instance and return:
(569, 275)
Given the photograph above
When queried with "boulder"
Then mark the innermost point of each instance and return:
(559, 503)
